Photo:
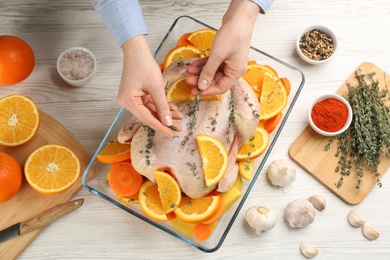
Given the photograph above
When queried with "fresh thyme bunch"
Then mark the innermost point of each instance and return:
(368, 137)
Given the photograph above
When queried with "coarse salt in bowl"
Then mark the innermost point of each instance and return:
(328, 114)
(316, 44)
(77, 66)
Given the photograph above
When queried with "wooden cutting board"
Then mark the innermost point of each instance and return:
(308, 151)
(27, 202)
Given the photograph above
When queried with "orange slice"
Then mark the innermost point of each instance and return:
(183, 40)
(214, 158)
(273, 97)
(114, 152)
(254, 76)
(203, 39)
(169, 190)
(245, 168)
(52, 169)
(150, 202)
(198, 209)
(182, 52)
(255, 146)
(181, 91)
(19, 120)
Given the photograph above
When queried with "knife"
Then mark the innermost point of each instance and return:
(43, 219)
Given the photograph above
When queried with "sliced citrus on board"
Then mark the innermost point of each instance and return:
(19, 120)
(52, 169)
(150, 202)
(198, 209)
(169, 190)
(182, 52)
(114, 152)
(255, 146)
(214, 158)
(203, 39)
(273, 97)
(181, 91)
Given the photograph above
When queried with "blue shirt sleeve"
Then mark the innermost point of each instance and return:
(122, 17)
(264, 4)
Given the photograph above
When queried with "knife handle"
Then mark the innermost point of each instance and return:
(50, 215)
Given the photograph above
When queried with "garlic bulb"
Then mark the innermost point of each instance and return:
(260, 218)
(369, 232)
(300, 213)
(281, 172)
(354, 219)
(318, 202)
(308, 251)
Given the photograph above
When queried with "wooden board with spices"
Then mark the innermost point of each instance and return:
(308, 150)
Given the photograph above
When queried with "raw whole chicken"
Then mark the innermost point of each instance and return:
(232, 120)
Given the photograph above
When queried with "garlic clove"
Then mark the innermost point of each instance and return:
(354, 219)
(308, 251)
(369, 232)
(318, 202)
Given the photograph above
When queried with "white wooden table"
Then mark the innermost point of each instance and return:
(100, 230)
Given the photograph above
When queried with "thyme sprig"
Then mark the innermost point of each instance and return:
(368, 137)
(149, 142)
(213, 122)
(232, 117)
(193, 119)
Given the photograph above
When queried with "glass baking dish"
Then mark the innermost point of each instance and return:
(94, 177)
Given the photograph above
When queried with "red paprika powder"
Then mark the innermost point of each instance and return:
(329, 114)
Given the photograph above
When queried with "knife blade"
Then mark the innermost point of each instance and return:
(43, 219)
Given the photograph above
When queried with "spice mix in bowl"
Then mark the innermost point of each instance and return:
(330, 115)
(316, 44)
(77, 66)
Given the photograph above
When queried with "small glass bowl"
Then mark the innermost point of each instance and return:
(322, 29)
(84, 78)
(347, 123)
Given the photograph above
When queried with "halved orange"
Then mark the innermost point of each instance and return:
(150, 202)
(181, 91)
(214, 158)
(169, 190)
(198, 209)
(254, 76)
(182, 52)
(19, 120)
(52, 169)
(255, 146)
(114, 152)
(273, 97)
(203, 39)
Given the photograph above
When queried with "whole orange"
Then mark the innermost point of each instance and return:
(10, 177)
(17, 60)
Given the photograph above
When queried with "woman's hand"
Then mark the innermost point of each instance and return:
(141, 89)
(229, 54)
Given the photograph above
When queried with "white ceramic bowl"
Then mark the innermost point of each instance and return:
(347, 123)
(323, 29)
(77, 66)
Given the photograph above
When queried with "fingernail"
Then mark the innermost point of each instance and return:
(203, 84)
(167, 120)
